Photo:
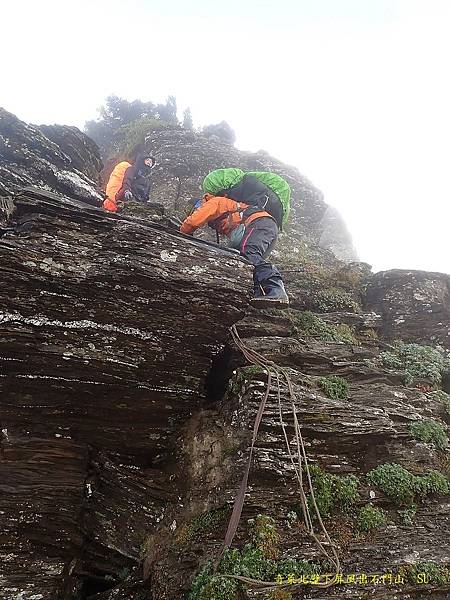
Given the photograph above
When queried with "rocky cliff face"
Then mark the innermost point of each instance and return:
(56, 158)
(126, 410)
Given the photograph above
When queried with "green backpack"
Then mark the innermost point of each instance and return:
(222, 180)
(279, 186)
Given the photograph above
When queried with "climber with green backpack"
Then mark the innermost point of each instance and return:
(250, 208)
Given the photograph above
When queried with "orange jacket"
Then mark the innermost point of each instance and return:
(214, 207)
(114, 185)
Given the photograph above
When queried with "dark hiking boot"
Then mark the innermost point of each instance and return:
(270, 295)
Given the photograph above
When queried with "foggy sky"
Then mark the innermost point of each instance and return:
(355, 93)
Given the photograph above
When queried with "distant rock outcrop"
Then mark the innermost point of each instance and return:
(415, 305)
(336, 237)
(29, 157)
(82, 151)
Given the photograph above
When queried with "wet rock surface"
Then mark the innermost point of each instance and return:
(415, 305)
(126, 411)
(101, 365)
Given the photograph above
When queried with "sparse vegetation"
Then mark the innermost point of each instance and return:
(334, 299)
(370, 517)
(291, 518)
(429, 431)
(334, 387)
(402, 487)
(249, 562)
(408, 514)
(200, 525)
(441, 397)
(264, 536)
(308, 324)
(428, 573)
(416, 361)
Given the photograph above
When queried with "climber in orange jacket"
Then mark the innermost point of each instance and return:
(129, 181)
(251, 230)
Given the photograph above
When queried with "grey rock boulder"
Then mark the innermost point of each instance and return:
(28, 157)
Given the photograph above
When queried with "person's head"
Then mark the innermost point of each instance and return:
(149, 161)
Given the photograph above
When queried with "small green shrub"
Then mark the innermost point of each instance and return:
(431, 482)
(334, 387)
(264, 535)
(408, 514)
(417, 362)
(310, 324)
(369, 517)
(441, 397)
(289, 566)
(334, 299)
(291, 518)
(248, 562)
(346, 490)
(401, 486)
(429, 431)
(200, 525)
(332, 490)
(207, 586)
(395, 481)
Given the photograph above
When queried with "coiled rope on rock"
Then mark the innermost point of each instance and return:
(299, 461)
